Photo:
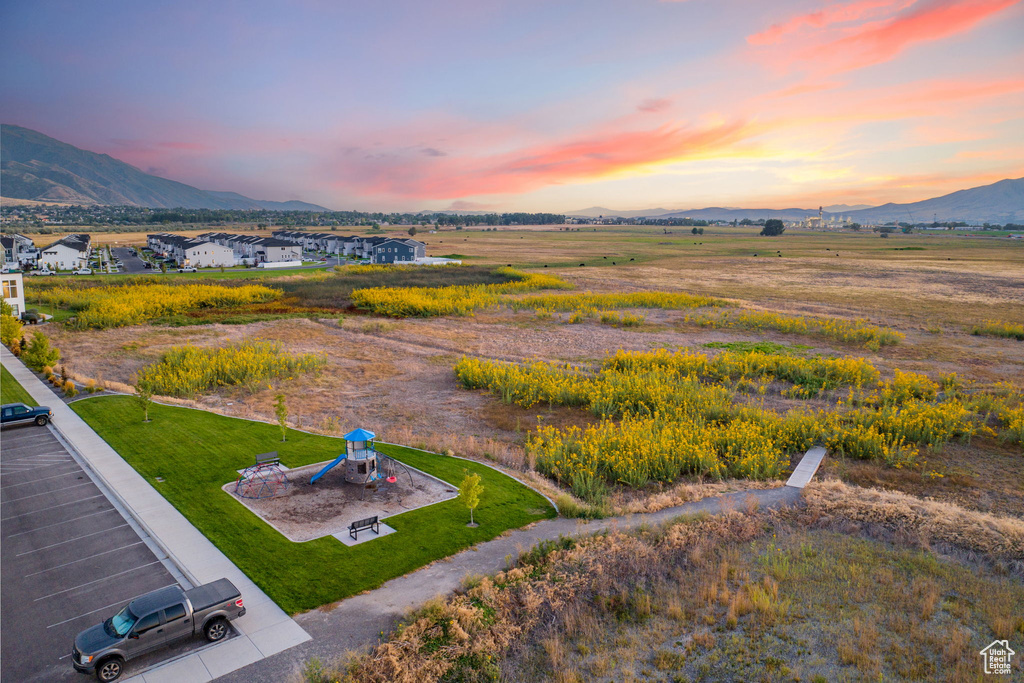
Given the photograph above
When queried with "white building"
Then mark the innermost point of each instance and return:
(187, 251)
(69, 253)
(13, 292)
(18, 252)
(208, 255)
(256, 249)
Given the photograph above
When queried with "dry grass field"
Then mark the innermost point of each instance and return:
(394, 376)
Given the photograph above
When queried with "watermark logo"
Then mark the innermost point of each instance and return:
(997, 657)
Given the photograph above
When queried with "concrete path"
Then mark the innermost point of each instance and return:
(804, 471)
(264, 631)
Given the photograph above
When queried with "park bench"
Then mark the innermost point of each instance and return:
(369, 523)
(270, 458)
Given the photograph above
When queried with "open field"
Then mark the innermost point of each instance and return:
(745, 596)
(395, 375)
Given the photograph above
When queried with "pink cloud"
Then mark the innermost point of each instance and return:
(823, 46)
(598, 155)
(654, 105)
(833, 14)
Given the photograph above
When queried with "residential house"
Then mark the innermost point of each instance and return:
(13, 292)
(397, 251)
(188, 251)
(69, 253)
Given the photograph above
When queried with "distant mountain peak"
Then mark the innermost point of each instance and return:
(40, 168)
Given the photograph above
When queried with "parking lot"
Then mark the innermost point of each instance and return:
(69, 559)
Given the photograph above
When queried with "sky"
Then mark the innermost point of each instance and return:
(531, 105)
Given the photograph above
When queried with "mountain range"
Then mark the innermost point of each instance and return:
(37, 167)
(1000, 202)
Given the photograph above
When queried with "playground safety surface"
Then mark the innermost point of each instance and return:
(306, 511)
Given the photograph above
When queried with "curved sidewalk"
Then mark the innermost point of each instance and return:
(264, 631)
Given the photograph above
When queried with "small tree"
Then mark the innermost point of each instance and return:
(281, 410)
(470, 491)
(39, 353)
(144, 398)
(773, 227)
(10, 328)
(163, 266)
(412, 231)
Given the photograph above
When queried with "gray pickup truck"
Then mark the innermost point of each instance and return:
(152, 621)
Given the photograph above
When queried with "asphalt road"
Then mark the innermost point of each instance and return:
(68, 559)
(132, 264)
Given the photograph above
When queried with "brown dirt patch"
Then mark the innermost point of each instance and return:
(307, 511)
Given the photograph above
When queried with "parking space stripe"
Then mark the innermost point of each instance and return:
(83, 559)
(105, 578)
(66, 521)
(100, 609)
(46, 493)
(54, 545)
(59, 505)
(37, 467)
(26, 483)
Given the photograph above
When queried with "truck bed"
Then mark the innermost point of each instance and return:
(211, 594)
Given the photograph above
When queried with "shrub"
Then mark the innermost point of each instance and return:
(994, 328)
(10, 330)
(189, 371)
(69, 389)
(856, 331)
(117, 306)
(39, 353)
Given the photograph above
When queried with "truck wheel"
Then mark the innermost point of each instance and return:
(110, 669)
(41, 421)
(216, 630)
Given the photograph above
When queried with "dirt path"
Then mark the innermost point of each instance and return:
(360, 622)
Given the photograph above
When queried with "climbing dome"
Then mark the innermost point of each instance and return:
(265, 479)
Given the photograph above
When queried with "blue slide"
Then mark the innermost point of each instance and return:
(327, 469)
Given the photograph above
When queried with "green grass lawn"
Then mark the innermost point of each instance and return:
(11, 391)
(196, 453)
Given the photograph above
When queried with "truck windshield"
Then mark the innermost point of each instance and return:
(122, 622)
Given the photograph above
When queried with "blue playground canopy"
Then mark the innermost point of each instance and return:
(354, 435)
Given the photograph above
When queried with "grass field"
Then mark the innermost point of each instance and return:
(11, 391)
(195, 453)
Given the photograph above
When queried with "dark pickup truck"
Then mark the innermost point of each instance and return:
(152, 621)
(18, 413)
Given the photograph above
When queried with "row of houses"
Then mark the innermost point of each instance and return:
(256, 249)
(189, 251)
(213, 249)
(374, 249)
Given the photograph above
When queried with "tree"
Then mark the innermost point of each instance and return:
(470, 491)
(854, 226)
(773, 227)
(412, 231)
(144, 398)
(281, 410)
(10, 327)
(39, 353)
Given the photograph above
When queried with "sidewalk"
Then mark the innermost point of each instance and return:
(265, 630)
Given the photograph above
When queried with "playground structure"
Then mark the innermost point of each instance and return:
(264, 479)
(362, 463)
